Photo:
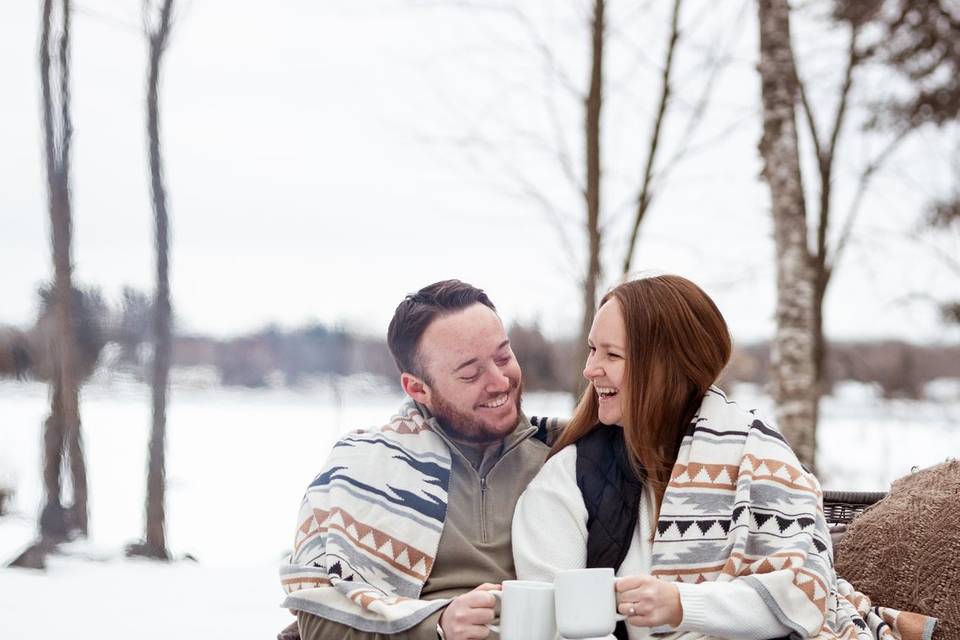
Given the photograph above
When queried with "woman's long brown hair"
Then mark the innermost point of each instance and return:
(677, 345)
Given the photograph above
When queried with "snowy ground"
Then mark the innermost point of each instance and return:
(237, 463)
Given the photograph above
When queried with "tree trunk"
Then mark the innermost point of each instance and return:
(593, 105)
(53, 520)
(155, 536)
(793, 346)
(64, 423)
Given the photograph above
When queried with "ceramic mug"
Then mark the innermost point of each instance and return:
(586, 603)
(526, 611)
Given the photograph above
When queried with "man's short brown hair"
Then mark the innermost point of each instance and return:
(418, 310)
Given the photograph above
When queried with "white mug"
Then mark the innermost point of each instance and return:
(586, 603)
(526, 611)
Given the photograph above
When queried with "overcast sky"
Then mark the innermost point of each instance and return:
(324, 159)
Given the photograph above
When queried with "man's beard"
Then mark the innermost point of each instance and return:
(467, 427)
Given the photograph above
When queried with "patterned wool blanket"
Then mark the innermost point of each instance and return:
(369, 527)
(739, 505)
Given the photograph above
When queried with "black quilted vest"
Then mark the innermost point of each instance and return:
(611, 493)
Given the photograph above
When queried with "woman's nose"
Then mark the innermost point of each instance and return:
(591, 370)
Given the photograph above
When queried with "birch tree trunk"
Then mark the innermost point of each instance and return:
(793, 364)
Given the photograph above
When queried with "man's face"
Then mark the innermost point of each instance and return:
(473, 381)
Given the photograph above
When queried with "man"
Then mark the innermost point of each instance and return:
(407, 528)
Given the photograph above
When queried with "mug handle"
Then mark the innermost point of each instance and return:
(494, 627)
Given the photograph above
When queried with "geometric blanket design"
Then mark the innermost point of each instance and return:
(369, 527)
(739, 505)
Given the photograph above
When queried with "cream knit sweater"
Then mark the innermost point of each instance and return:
(550, 534)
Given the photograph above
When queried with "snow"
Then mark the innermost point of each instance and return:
(237, 464)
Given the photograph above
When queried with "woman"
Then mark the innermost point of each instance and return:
(704, 512)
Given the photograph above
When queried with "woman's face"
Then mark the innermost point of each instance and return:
(606, 364)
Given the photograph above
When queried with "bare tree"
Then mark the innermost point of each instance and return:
(63, 425)
(793, 347)
(593, 105)
(586, 180)
(157, 22)
(826, 148)
(61, 437)
(920, 42)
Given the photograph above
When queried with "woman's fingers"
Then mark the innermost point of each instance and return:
(627, 583)
(648, 602)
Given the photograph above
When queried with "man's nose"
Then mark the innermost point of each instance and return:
(498, 381)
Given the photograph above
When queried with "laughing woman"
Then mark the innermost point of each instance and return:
(704, 512)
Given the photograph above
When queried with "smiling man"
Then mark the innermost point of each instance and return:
(407, 528)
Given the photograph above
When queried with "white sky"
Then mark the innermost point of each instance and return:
(313, 174)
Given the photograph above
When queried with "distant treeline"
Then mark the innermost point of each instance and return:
(274, 356)
(900, 369)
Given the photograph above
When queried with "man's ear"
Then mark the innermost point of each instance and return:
(416, 388)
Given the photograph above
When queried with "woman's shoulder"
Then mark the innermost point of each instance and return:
(563, 459)
(560, 467)
(552, 492)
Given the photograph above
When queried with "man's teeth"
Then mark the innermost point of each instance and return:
(493, 404)
(606, 391)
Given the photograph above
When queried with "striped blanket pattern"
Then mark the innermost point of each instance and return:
(739, 505)
(369, 527)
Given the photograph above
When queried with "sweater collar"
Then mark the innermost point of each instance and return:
(481, 456)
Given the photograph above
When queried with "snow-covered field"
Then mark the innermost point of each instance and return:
(237, 463)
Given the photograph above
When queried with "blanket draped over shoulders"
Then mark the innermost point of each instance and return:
(739, 505)
(369, 527)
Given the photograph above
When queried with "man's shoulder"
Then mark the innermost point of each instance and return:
(407, 435)
(406, 422)
(401, 448)
(531, 453)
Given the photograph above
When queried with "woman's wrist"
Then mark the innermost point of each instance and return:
(676, 606)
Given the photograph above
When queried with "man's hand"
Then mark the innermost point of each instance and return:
(648, 602)
(464, 618)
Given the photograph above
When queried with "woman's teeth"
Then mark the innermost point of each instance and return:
(606, 392)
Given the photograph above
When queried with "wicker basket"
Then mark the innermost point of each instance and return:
(841, 507)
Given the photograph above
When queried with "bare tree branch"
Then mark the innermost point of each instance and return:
(644, 196)
(539, 43)
(825, 161)
(715, 63)
(811, 120)
(853, 61)
(106, 18)
(563, 152)
(865, 177)
(557, 216)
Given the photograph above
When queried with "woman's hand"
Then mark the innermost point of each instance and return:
(649, 602)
